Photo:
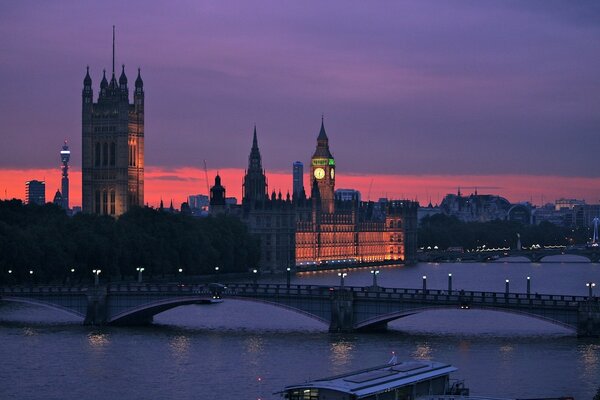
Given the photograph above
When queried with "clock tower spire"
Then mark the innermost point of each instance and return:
(323, 170)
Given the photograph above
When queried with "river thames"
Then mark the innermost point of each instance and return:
(245, 350)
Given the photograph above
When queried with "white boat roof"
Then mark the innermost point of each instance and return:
(378, 379)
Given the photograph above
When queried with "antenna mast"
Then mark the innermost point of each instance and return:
(206, 179)
(113, 58)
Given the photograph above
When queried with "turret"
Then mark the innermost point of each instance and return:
(138, 94)
(103, 84)
(123, 79)
(87, 94)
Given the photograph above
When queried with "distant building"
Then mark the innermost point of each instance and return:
(347, 195)
(568, 204)
(298, 179)
(65, 156)
(475, 207)
(112, 145)
(35, 192)
(198, 202)
(58, 199)
(428, 211)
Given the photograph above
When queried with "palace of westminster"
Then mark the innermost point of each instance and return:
(293, 231)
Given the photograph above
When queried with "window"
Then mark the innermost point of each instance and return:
(105, 154)
(112, 202)
(113, 151)
(97, 199)
(105, 201)
(97, 159)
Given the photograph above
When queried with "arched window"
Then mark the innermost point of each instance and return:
(105, 154)
(113, 153)
(97, 196)
(112, 202)
(97, 155)
(105, 202)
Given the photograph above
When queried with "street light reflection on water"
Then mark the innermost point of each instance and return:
(98, 340)
(180, 346)
(341, 355)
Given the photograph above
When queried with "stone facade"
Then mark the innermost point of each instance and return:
(112, 146)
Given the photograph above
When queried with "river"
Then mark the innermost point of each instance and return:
(243, 350)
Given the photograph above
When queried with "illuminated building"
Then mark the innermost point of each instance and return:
(112, 145)
(35, 192)
(323, 228)
(65, 156)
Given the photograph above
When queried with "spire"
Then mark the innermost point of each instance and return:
(123, 78)
(138, 81)
(104, 82)
(322, 134)
(254, 140)
(87, 81)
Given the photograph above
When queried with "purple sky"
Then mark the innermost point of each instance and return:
(472, 87)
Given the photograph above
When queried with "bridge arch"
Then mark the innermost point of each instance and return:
(385, 318)
(45, 304)
(287, 307)
(143, 313)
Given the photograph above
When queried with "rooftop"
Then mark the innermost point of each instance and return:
(377, 379)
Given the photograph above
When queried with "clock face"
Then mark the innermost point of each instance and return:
(319, 173)
(332, 173)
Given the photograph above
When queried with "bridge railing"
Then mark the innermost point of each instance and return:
(23, 290)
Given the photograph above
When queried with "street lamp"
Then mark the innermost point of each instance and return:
(255, 276)
(424, 283)
(375, 273)
(288, 271)
(590, 286)
(342, 275)
(528, 285)
(506, 287)
(139, 270)
(217, 270)
(96, 273)
(449, 283)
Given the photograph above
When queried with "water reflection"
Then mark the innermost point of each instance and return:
(340, 353)
(422, 352)
(180, 346)
(98, 340)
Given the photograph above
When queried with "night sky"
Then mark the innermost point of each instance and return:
(418, 97)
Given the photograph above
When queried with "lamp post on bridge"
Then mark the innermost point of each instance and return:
(450, 283)
(288, 272)
(424, 284)
(217, 271)
(375, 273)
(96, 273)
(255, 276)
(342, 275)
(590, 286)
(140, 270)
(528, 286)
(507, 287)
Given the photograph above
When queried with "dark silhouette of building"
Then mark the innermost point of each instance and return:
(217, 197)
(35, 192)
(112, 145)
(65, 156)
(298, 179)
(58, 199)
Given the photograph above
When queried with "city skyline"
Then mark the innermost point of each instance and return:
(415, 102)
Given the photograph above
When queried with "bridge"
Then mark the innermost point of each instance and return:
(535, 255)
(343, 309)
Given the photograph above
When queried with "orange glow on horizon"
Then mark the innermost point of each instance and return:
(177, 183)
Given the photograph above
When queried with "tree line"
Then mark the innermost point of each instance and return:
(42, 244)
(448, 231)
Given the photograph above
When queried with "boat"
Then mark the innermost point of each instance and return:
(395, 380)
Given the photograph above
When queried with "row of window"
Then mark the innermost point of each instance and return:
(105, 129)
(102, 205)
(105, 154)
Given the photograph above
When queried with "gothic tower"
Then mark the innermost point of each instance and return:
(112, 145)
(65, 156)
(255, 181)
(323, 171)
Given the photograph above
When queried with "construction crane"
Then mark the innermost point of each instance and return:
(206, 179)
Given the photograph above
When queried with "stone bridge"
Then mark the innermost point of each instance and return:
(343, 309)
(538, 255)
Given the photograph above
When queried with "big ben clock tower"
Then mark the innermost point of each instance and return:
(323, 171)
